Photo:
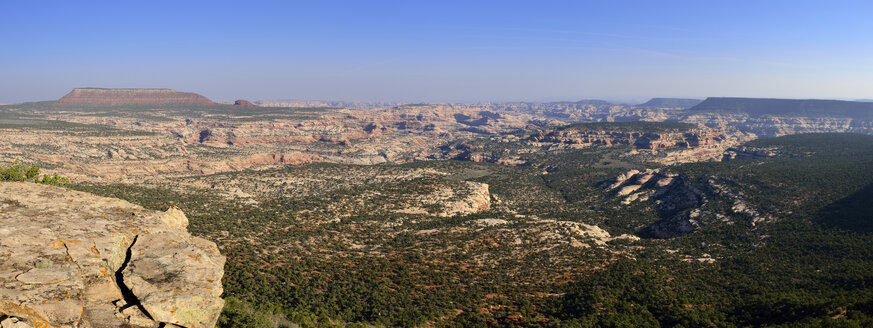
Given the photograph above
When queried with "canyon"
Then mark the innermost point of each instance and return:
(306, 189)
(157, 136)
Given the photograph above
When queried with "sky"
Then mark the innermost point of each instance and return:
(433, 51)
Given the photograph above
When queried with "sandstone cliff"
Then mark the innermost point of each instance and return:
(72, 259)
(131, 97)
(640, 135)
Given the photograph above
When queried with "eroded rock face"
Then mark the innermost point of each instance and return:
(690, 138)
(682, 207)
(677, 202)
(72, 259)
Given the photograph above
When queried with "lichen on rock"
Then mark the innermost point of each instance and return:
(72, 259)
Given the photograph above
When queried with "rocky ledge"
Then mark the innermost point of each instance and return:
(697, 137)
(72, 259)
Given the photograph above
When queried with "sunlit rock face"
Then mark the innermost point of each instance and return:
(72, 259)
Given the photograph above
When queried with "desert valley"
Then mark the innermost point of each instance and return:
(693, 212)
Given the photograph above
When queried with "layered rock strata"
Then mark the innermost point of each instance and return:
(685, 138)
(131, 97)
(681, 206)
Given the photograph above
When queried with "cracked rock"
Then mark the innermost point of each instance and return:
(72, 259)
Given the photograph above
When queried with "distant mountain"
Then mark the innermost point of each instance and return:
(131, 97)
(804, 107)
(864, 100)
(670, 103)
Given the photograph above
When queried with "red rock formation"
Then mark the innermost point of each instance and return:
(131, 97)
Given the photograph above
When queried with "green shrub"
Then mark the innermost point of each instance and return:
(237, 313)
(30, 173)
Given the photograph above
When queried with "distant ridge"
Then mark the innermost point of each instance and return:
(595, 102)
(131, 97)
(670, 103)
(805, 107)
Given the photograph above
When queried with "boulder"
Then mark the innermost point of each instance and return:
(72, 259)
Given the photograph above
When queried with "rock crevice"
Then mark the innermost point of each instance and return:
(129, 298)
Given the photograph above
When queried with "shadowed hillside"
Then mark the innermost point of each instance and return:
(804, 107)
(854, 212)
(670, 103)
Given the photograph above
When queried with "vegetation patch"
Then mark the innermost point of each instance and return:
(30, 173)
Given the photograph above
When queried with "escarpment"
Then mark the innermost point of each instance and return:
(131, 97)
(72, 259)
(644, 136)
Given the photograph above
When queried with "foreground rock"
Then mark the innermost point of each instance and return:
(72, 259)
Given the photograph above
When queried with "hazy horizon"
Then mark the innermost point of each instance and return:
(441, 52)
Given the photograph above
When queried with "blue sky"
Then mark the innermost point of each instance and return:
(440, 50)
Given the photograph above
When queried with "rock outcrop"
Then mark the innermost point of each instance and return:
(747, 152)
(676, 202)
(675, 142)
(72, 259)
(682, 206)
(466, 198)
(131, 97)
(669, 190)
(642, 135)
(244, 103)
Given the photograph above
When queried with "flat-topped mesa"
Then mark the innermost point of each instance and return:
(131, 97)
(786, 107)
